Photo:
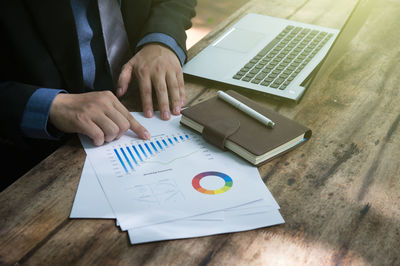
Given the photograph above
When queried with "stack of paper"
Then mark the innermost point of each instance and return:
(172, 186)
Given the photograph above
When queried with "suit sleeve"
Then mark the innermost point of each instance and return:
(170, 17)
(34, 123)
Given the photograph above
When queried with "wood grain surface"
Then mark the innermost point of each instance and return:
(339, 193)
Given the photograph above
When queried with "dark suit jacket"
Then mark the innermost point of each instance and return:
(39, 47)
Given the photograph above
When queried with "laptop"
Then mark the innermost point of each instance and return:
(274, 56)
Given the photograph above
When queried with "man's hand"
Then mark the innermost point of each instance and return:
(158, 67)
(99, 115)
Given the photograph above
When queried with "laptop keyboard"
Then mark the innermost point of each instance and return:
(278, 63)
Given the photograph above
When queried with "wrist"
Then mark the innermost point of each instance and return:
(166, 41)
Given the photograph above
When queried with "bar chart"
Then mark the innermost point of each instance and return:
(127, 158)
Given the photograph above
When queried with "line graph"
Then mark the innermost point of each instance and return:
(172, 160)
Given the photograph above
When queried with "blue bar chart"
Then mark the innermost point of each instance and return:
(129, 157)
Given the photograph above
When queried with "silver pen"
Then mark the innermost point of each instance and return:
(244, 108)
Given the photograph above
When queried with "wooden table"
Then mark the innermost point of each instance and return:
(339, 193)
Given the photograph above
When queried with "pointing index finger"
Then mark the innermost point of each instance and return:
(136, 127)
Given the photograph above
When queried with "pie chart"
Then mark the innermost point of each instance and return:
(224, 188)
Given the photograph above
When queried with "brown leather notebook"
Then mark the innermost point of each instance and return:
(226, 127)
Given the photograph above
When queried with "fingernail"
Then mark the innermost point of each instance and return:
(166, 115)
(177, 110)
(148, 113)
(146, 135)
(182, 103)
(119, 91)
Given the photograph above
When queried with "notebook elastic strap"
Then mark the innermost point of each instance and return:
(216, 132)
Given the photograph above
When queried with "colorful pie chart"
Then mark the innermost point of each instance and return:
(199, 188)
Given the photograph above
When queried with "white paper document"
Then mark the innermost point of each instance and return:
(176, 174)
(174, 185)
